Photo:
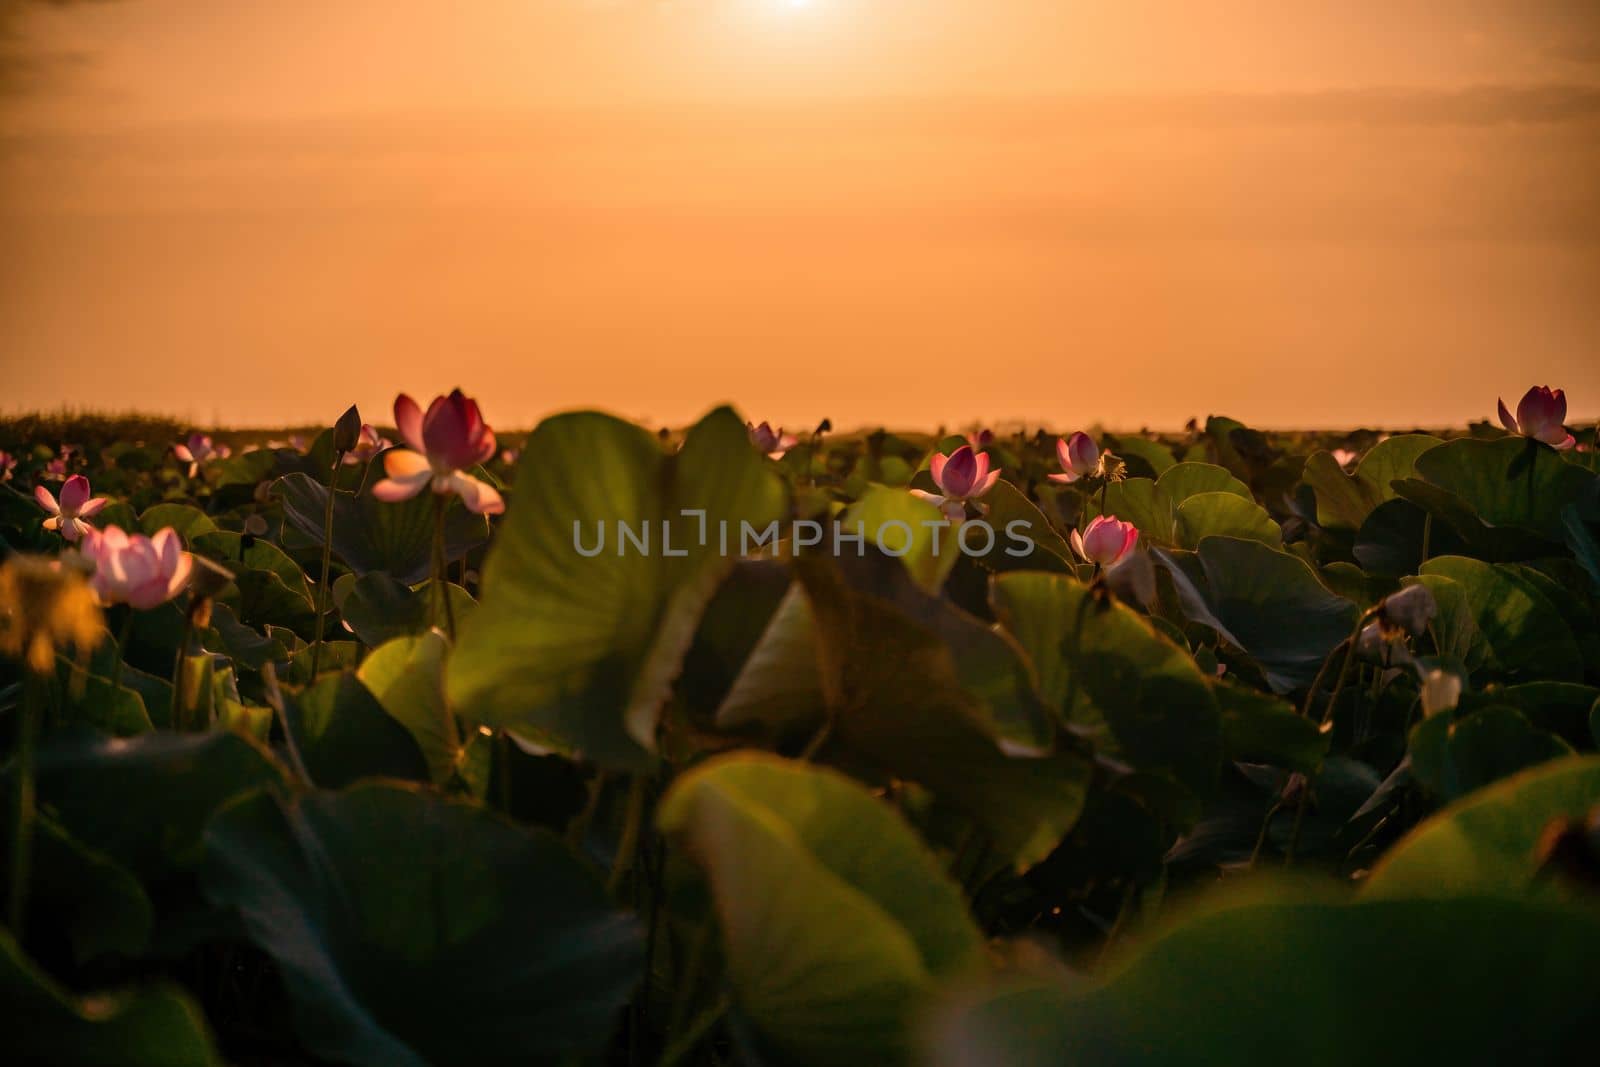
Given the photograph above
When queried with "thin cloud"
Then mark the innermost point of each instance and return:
(24, 67)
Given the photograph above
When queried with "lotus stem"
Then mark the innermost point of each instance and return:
(818, 739)
(1427, 535)
(1072, 655)
(269, 680)
(124, 633)
(697, 1031)
(1299, 820)
(578, 829)
(1344, 669)
(441, 575)
(1124, 909)
(180, 706)
(327, 559)
(502, 755)
(23, 806)
(1261, 838)
(629, 842)
(694, 962)
(1533, 464)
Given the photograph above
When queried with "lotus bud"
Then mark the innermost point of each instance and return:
(1105, 540)
(1079, 457)
(347, 431)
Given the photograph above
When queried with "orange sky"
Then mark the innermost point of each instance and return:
(901, 211)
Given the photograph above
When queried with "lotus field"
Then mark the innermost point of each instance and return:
(413, 745)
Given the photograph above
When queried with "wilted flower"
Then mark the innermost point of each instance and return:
(1540, 415)
(44, 604)
(1105, 540)
(1380, 644)
(1441, 691)
(199, 449)
(1345, 458)
(451, 436)
(368, 444)
(1079, 457)
(133, 569)
(773, 442)
(1408, 611)
(961, 476)
(8, 463)
(67, 514)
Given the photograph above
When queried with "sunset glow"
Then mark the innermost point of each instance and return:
(651, 205)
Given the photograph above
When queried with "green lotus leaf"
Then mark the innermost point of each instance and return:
(377, 608)
(1141, 502)
(1155, 454)
(971, 728)
(48, 1026)
(906, 527)
(343, 733)
(144, 801)
(78, 894)
(1487, 843)
(188, 520)
(1267, 602)
(1510, 976)
(1225, 515)
(412, 931)
(1110, 673)
(576, 650)
(1507, 482)
(835, 920)
(1523, 636)
(1023, 538)
(1345, 501)
(1185, 480)
(1454, 753)
(371, 535)
(1260, 728)
(406, 675)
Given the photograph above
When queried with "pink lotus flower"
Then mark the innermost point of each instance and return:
(773, 442)
(57, 468)
(980, 439)
(1540, 414)
(67, 514)
(368, 444)
(1079, 457)
(961, 476)
(199, 449)
(509, 456)
(1344, 457)
(450, 437)
(142, 572)
(1105, 540)
(8, 463)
